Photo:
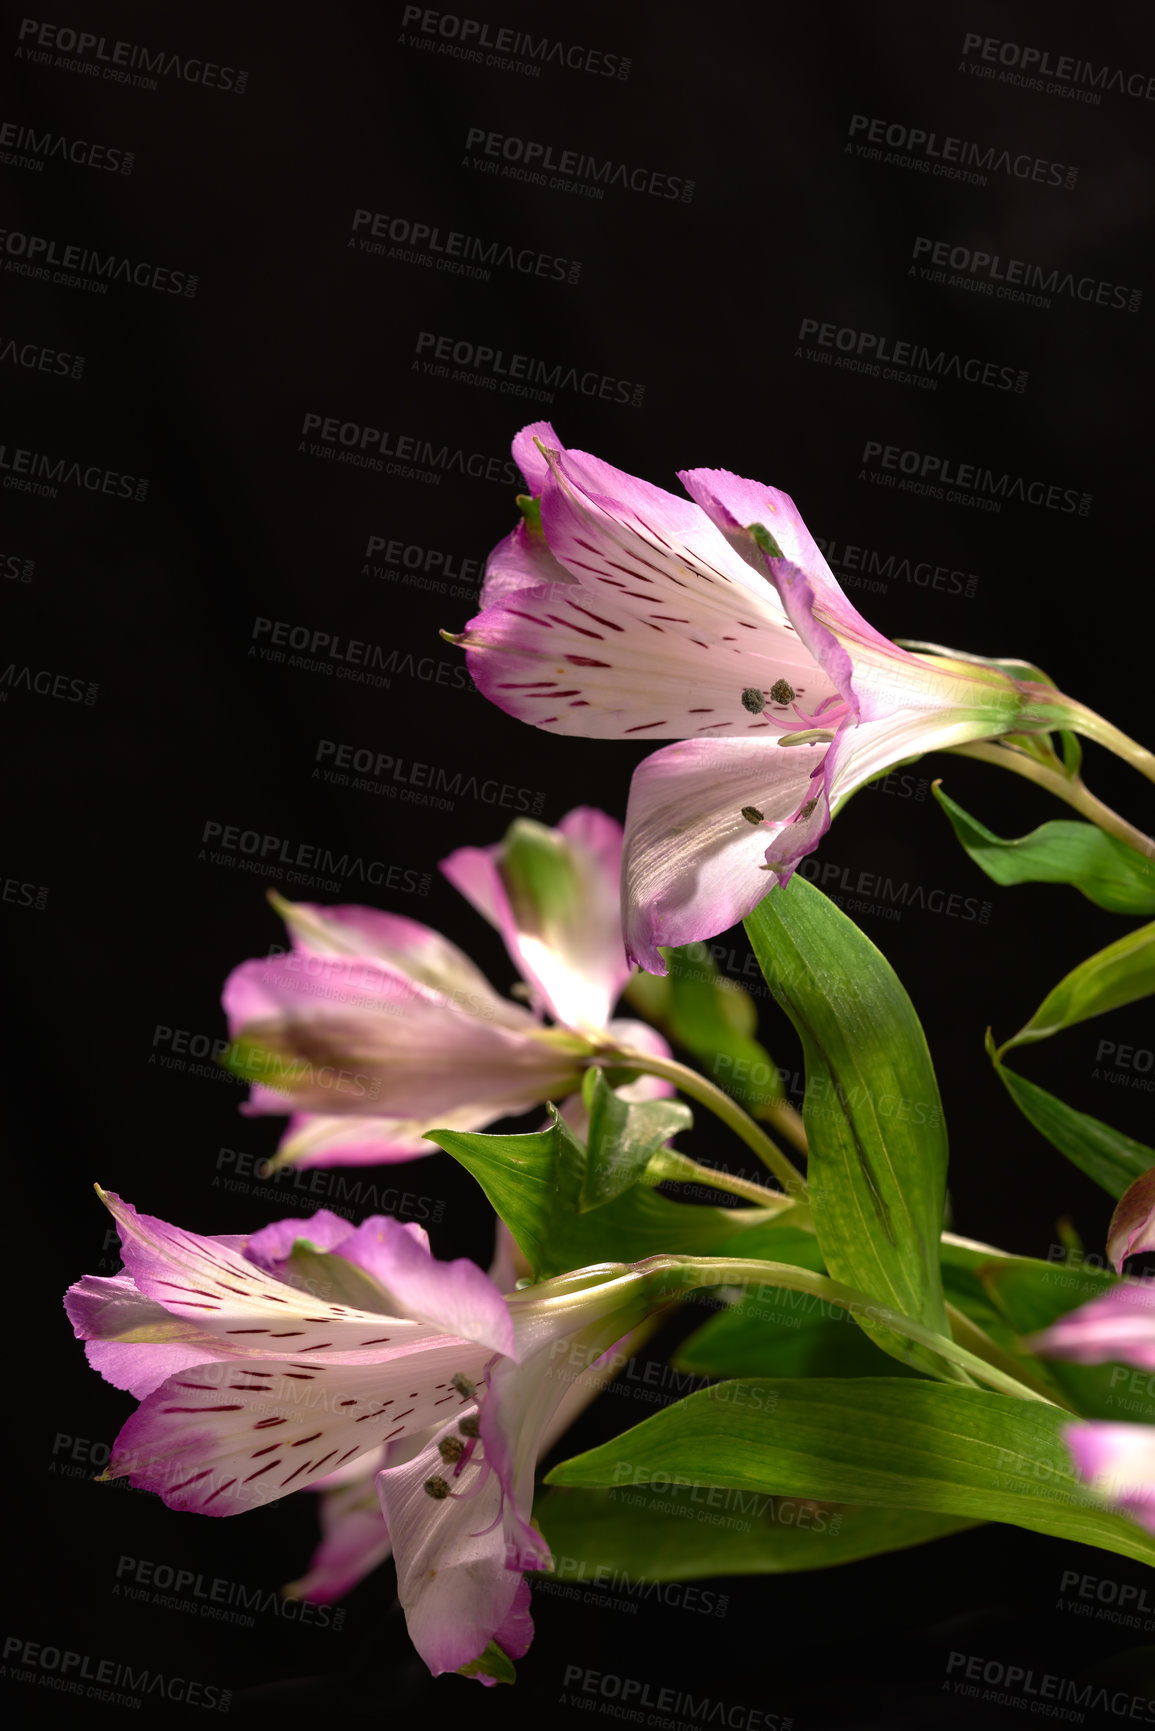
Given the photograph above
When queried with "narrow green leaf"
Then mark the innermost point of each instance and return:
(535, 1184)
(882, 1441)
(771, 1331)
(715, 1020)
(1120, 974)
(623, 1137)
(638, 1534)
(1104, 869)
(1112, 1159)
(878, 1146)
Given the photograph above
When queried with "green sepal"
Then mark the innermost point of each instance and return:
(492, 1663)
(530, 509)
(765, 540)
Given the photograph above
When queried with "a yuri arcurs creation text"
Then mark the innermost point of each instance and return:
(901, 1380)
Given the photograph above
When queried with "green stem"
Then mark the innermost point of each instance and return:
(720, 1103)
(1065, 787)
(1104, 733)
(788, 1122)
(978, 1341)
(697, 1271)
(670, 1167)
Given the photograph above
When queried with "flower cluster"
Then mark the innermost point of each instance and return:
(417, 1395)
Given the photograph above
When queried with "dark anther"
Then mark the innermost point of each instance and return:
(782, 691)
(437, 1489)
(752, 814)
(754, 700)
(451, 1449)
(470, 1426)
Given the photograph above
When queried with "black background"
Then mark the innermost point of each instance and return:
(154, 603)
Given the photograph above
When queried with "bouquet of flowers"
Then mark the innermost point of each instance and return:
(859, 1360)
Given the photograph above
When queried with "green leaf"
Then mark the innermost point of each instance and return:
(882, 1441)
(623, 1138)
(535, 1184)
(878, 1147)
(1112, 1159)
(771, 1331)
(1106, 870)
(1032, 1297)
(713, 1019)
(492, 1663)
(638, 1533)
(1120, 974)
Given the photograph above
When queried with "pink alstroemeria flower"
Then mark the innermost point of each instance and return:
(1117, 1460)
(377, 1028)
(619, 611)
(1132, 1228)
(264, 1364)
(354, 1537)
